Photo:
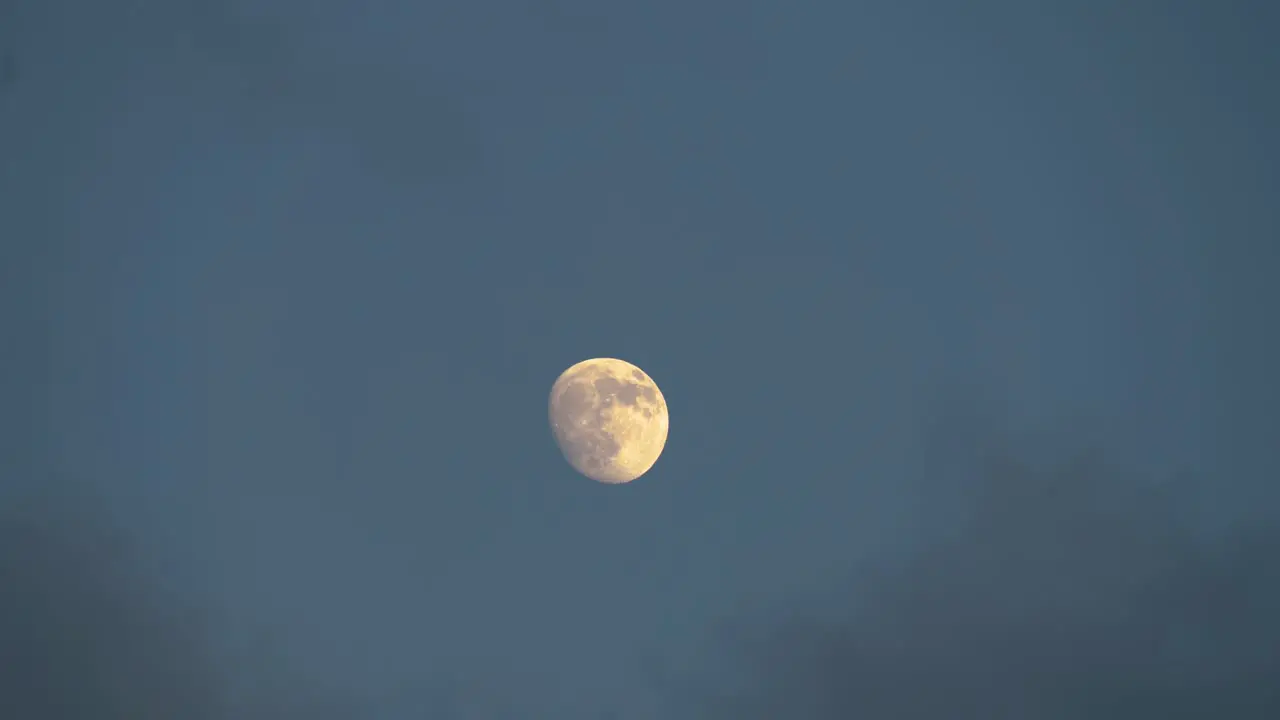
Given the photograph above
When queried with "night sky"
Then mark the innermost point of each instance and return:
(964, 313)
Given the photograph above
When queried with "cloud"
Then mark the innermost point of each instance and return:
(400, 118)
(89, 635)
(84, 634)
(1053, 590)
(268, 74)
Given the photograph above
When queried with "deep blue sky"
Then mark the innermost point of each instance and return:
(289, 283)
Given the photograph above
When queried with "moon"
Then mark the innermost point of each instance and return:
(609, 419)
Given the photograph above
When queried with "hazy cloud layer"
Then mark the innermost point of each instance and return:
(90, 633)
(264, 72)
(1034, 586)
(85, 634)
(1069, 589)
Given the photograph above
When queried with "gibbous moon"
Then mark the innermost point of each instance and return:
(609, 419)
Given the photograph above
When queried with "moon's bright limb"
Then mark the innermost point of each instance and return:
(609, 419)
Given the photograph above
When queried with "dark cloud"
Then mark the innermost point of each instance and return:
(88, 635)
(84, 635)
(1069, 590)
(405, 125)
(267, 74)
